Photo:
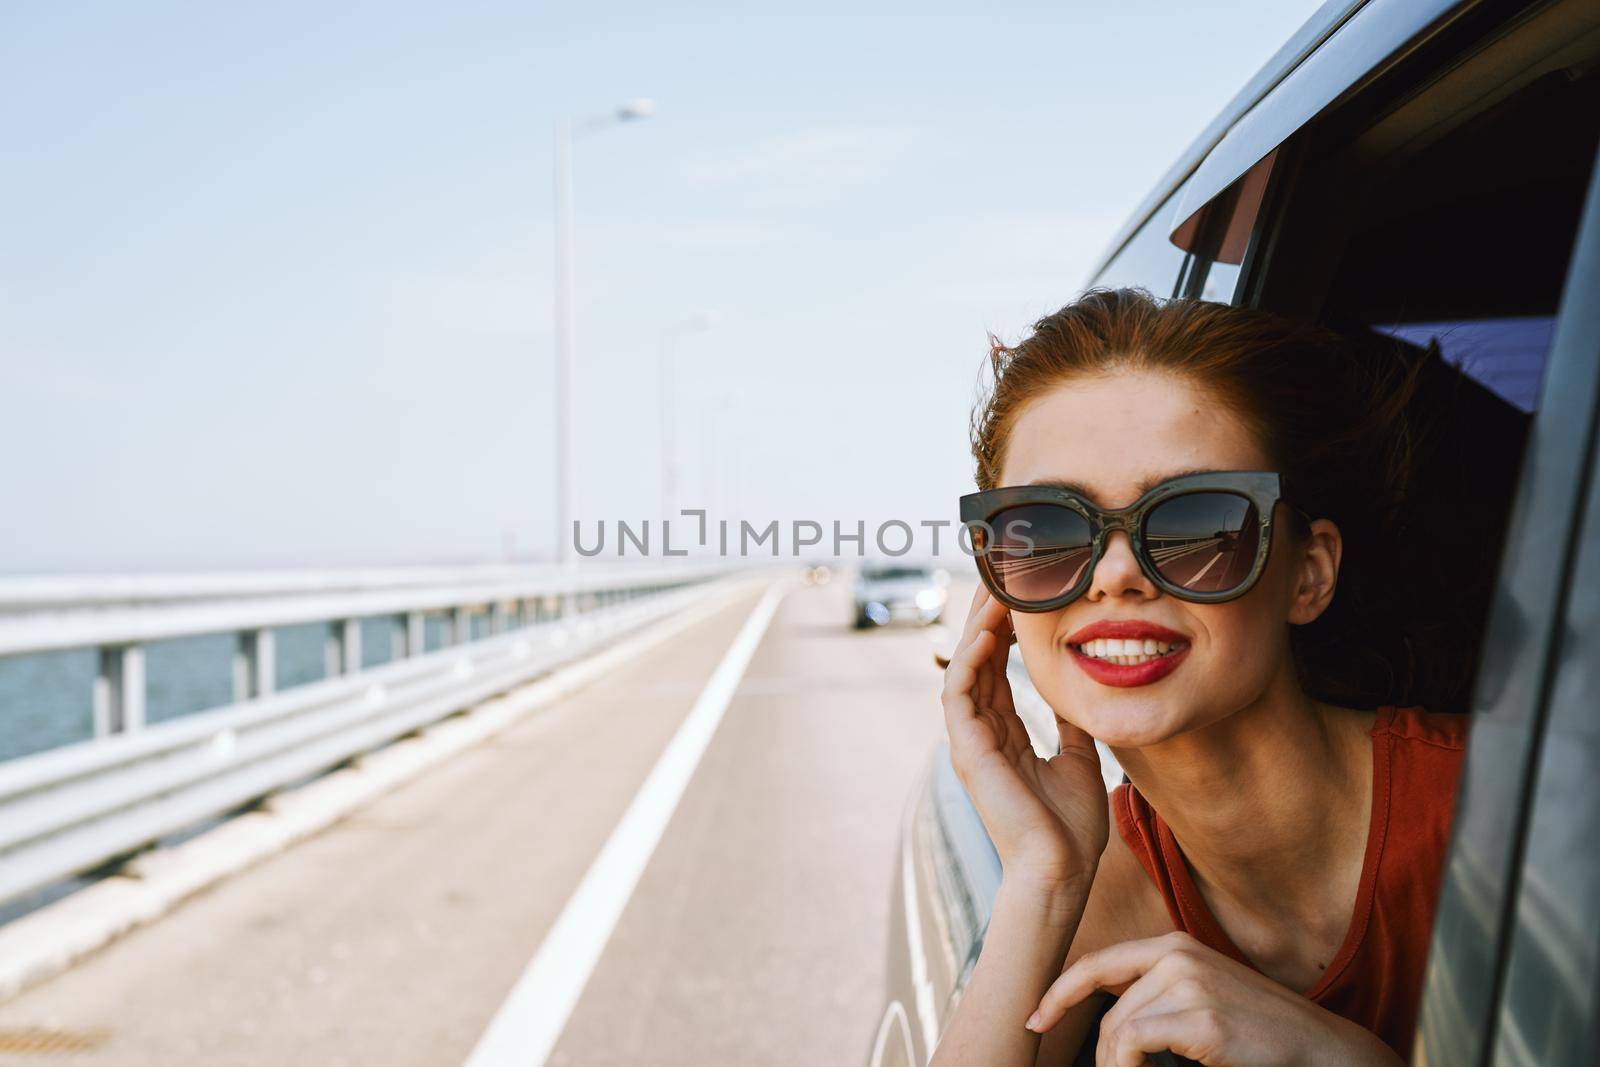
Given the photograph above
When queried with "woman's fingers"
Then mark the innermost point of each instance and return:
(962, 674)
(1196, 1033)
(980, 616)
(969, 731)
(999, 693)
(1161, 990)
(985, 618)
(970, 626)
(988, 687)
(968, 683)
(1113, 969)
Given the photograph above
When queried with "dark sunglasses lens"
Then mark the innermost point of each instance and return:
(1204, 542)
(1040, 551)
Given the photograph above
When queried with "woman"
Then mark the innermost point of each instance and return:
(1196, 552)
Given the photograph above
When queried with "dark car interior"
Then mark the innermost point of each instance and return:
(1454, 238)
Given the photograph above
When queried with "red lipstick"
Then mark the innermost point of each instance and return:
(1124, 675)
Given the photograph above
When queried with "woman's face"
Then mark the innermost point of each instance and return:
(1115, 435)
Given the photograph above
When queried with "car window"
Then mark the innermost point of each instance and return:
(1221, 235)
(1457, 236)
(1416, 265)
(1149, 259)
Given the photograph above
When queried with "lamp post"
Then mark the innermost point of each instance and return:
(704, 321)
(566, 413)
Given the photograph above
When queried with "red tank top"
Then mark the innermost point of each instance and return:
(1375, 979)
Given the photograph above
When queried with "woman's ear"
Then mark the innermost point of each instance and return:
(1316, 572)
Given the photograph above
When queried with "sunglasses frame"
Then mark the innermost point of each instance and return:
(1264, 489)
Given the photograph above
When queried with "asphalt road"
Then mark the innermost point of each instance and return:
(756, 934)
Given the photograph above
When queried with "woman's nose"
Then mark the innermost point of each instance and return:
(1118, 574)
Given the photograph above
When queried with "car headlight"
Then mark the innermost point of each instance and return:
(929, 599)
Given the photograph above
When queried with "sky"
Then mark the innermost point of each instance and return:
(276, 279)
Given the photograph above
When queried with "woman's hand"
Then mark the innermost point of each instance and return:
(1175, 994)
(1047, 817)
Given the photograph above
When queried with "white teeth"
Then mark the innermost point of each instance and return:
(1125, 652)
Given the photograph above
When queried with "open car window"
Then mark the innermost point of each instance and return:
(1449, 224)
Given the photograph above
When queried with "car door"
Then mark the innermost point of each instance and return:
(1513, 973)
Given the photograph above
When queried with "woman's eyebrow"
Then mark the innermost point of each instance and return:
(1057, 483)
(1144, 486)
(1156, 479)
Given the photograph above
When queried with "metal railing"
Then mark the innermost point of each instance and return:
(74, 808)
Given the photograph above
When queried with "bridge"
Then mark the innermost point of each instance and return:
(603, 816)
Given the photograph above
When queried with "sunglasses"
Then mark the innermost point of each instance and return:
(1199, 537)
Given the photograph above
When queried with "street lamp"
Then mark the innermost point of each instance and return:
(704, 321)
(566, 413)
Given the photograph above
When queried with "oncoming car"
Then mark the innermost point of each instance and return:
(1424, 170)
(886, 591)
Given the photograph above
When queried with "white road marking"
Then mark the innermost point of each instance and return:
(1196, 579)
(530, 1020)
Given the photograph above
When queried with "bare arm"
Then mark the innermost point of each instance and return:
(1048, 819)
(1121, 907)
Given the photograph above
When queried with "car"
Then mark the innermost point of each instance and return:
(885, 591)
(1426, 170)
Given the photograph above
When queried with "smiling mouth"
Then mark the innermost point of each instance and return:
(1127, 651)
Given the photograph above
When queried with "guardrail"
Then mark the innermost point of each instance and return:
(74, 591)
(74, 808)
(119, 616)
